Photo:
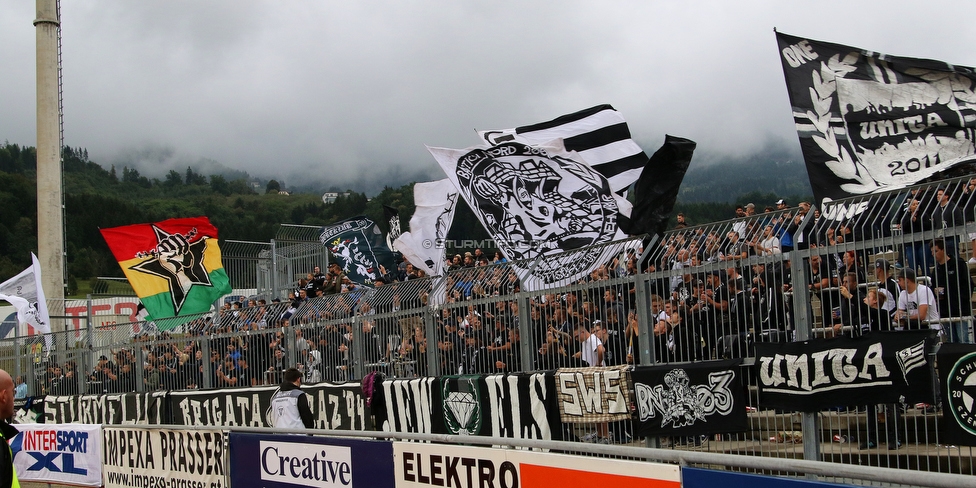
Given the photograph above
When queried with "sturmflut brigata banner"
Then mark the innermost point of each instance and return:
(880, 367)
(286, 461)
(869, 121)
(689, 399)
(113, 409)
(341, 406)
(162, 458)
(58, 453)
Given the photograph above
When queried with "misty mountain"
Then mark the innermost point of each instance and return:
(776, 169)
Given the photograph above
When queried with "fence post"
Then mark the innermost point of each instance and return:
(433, 353)
(526, 334)
(802, 327)
(140, 368)
(205, 362)
(358, 350)
(275, 288)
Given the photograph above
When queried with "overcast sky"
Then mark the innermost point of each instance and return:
(352, 90)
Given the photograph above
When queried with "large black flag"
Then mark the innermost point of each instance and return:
(880, 367)
(957, 375)
(657, 188)
(869, 121)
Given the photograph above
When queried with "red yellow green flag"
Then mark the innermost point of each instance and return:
(174, 266)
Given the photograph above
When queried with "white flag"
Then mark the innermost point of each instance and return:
(599, 134)
(423, 246)
(25, 293)
(536, 202)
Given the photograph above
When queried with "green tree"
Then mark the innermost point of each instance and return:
(273, 187)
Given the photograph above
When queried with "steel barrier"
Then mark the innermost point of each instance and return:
(706, 292)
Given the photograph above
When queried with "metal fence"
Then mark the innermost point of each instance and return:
(706, 292)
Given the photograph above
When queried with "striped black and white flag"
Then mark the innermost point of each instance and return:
(599, 134)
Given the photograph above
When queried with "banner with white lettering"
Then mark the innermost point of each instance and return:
(427, 465)
(519, 406)
(334, 406)
(588, 395)
(880, 367)
(689, 399)
(957, 375)
(162, 458)
(58, 453)
(112, 409)
(286, 461)
(869, 121)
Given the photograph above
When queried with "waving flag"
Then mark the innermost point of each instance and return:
(869, 122)
(599, 134)
(537, 202)
(358, 247)
(174, 266)
(423, 245)
(25, 293)
(392, 216)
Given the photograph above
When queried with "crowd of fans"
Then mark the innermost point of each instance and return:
(715, 291)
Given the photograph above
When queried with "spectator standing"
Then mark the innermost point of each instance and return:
(953, 290)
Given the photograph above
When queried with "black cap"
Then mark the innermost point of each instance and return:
(882, 264)
(780, 202)
(907, 273)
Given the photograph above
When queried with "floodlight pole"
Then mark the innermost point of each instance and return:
(50, 216)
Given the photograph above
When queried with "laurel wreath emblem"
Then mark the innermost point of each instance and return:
(822, 95)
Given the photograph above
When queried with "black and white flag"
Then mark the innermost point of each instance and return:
(423, 245)
(26, 294)
(538, 202)
(689, 399)
(599, 134)
(358, 247)
(869, 122)
(392, 216)
(880, 367)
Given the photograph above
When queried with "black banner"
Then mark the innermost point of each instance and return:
(869, 121)
(880, 367)
(957, 372)
(689, 399)
(519, 406)
(334, 406)
(112, 409)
